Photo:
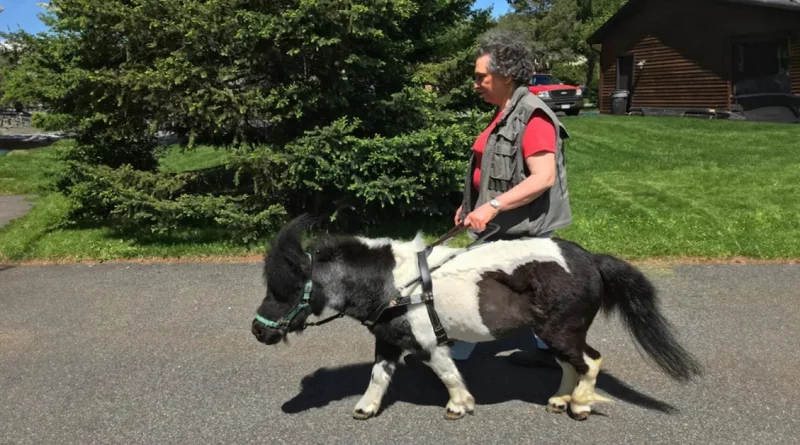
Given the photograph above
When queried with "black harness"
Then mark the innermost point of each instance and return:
(426, 297)
(427, 284)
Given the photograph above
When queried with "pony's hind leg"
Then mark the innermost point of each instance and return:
(584, 394)
(461, 401)
(386, 357)
(569, 378)
(580, 364)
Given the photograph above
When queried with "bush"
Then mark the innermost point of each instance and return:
(164, 203)
(115, 72)
(329, 171)
(575, 74)
(355, 181)
(570, 74)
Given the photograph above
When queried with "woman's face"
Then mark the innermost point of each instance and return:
(493, 88)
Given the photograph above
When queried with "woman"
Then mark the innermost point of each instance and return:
(517, 177)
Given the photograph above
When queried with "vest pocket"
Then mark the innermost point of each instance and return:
(501, 173)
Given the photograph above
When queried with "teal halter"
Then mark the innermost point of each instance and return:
(286, 319)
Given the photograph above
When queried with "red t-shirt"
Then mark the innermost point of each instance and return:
(539, 136)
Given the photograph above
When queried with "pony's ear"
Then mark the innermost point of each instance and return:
(285, 262)
(289, 237)
(418, 243)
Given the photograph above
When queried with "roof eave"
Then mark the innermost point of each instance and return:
(790, 6)
(598, 36)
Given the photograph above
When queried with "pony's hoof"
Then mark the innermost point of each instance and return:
(360, 414)
(581, 415)
(458, 407)
(556, 408)
(453, 415)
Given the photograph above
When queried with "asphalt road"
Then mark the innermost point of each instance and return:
(13, 207)
(162, 354)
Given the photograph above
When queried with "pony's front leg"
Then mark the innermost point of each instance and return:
(461, 401)
(386, 357)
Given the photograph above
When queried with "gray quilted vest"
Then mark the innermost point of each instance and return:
(503, 167)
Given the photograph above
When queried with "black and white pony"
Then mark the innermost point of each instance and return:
(485, 293)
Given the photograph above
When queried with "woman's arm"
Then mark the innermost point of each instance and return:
(542, 167)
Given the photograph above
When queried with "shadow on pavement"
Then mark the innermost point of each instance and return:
(490, 379)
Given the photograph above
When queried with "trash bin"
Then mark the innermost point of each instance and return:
(619, 102)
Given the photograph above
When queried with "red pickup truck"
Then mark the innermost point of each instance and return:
(556, 95)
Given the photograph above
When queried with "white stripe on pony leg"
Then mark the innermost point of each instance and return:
(461, 401)
(584, 394)
(370, 402)
(569, 378)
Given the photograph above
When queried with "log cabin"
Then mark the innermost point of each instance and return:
(723, 58)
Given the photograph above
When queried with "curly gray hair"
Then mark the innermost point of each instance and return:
(508, 55)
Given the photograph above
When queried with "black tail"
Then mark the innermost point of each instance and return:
(632, 292)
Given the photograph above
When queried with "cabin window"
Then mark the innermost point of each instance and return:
(762, 59)
(761, 67)
(783, 59)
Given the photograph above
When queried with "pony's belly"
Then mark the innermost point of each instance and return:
(456, 302)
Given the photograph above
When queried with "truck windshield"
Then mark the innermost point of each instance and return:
(544, 80)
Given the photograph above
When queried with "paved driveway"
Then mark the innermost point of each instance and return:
(162, 354)
(13, 206)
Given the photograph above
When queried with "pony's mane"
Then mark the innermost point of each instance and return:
(285, 263)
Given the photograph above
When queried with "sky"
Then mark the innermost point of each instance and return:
(500, 7)
(23, 13)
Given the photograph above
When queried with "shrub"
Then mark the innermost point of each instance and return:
(575, 74)
(330, 171)
(355, 181)
(163, 203)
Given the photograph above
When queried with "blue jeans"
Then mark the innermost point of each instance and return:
(461, 350)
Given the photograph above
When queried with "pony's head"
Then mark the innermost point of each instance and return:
(292, 296)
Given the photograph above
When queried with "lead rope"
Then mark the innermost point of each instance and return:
(493, 229)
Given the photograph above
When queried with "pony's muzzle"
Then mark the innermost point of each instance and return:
(265, 334)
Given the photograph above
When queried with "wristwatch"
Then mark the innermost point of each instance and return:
(495, 203)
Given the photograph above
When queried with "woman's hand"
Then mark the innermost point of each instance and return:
(480, 217)
(457, 218)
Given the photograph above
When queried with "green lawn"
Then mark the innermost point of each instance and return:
(175, 159)
(655, 187)
(43, 234)
(26, 171)
(639, 187)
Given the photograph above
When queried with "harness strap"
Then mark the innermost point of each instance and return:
(427, 283)
(426, 297)
(322, 322)
(451, 233)
(427, 291)
(491, 230)
(391, 304)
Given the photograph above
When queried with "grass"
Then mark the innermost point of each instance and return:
(663, 187)
(42, 235)
(639, 188)
(176, 159)
(25, 172)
